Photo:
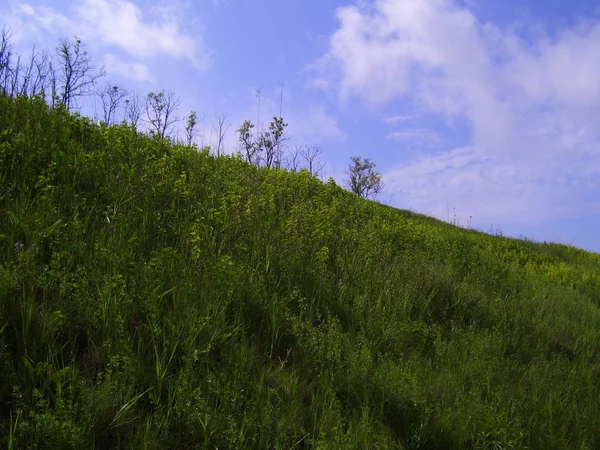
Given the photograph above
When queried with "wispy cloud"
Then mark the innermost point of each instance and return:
(531, 105)
(416, 136)
(399, 119)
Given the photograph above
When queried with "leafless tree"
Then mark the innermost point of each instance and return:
(133, 110)
(25, 79)
(76, 75)
(5, 61)
(160, 112)
(279, 159)
(29, 79)
(310, 155)
(221, 132)
(26, 74)
(293, 158)
(39, 65)
(15, 74)
(54, 98)
(111, 98)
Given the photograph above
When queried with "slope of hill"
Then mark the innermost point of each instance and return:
(154, 296)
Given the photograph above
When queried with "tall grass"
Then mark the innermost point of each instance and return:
(155, 296)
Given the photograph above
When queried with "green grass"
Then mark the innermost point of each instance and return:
(153, 296)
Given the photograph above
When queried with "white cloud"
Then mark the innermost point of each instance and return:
(25, 21)
(531, 106)
(314, 124)
(133, 70)
(120, 24)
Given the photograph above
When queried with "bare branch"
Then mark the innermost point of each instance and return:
(293, 159)
(76, 76)
(133, 110)
(5, 61)
(221, 132)
(111, 98)
(310, 155)
(39, 85)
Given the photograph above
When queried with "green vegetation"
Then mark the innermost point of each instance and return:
(155, 296)
(362, 179)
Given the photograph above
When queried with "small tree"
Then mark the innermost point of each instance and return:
(5, 61)
(111, 98)
(38, 74)
(160, 112)
(266, 146)
(76, 75)
(221, 132)
(293, 158)
(310, 155)
(363, 180)
(269, 142)
(133, 110)
(32, 75)
(247, 145)
(190, 128)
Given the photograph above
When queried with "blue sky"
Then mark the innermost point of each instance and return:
(487, 111)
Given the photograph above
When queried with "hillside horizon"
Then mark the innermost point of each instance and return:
(480, 170)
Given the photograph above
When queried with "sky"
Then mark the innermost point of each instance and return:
(482, 113)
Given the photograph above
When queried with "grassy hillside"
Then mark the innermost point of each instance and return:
(154, 296)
